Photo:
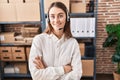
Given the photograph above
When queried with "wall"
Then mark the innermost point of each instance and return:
(108, 13)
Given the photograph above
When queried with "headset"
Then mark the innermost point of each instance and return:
(67, 16)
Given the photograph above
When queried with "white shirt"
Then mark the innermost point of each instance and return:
(55, 53)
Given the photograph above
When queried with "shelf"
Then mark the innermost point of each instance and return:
(16, 61)
(86, 58)
(79, 15)
(87, 77)
(22, 22)
(9, 75)
(84, 37)
(14, 44)
(82, 14)
(89, 46)
(16, 75)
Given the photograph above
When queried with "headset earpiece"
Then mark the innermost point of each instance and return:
(48, 20)
(68, 16)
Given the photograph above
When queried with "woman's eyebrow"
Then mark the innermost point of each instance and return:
(58, 13)
(61, 13)
(52, 14)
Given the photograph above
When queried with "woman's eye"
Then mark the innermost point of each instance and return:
(60, 16)
(52, 17)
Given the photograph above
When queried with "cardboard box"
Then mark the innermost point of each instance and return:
(6, 54)
(18, 53)
(28, 11)
(77, 0)
(16, 1)
(5, 49)
(20, 50)
(6, 57)
(19, 79)
(87, 67)
(28, 40)
(19, 57)
(82, 48)
(7, 12)
(20, 68)
(78, 7)
(17, 10)
(7, 37)
(29, 31)
(32, 1)
(3, 1)
(24, 1)
(47, 4)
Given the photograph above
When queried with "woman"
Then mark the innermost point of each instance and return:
(55, 54)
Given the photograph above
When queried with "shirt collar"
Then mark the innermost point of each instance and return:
(56, 39)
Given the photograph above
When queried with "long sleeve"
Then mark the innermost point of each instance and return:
(76, 64)
(50, 73)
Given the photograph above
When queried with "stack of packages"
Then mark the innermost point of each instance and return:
(7, 37)
(27, 34)
(87, 65)
(78, 6)
(19, 10)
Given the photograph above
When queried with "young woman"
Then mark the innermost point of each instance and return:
(55, 54)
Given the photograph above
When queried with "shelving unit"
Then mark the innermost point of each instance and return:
(90, 50)
(43, 24)
(82, 14)
(93, 40)
(16, 76)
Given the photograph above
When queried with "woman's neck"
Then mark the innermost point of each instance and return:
(58, 33)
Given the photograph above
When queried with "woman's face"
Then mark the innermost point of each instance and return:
(57, 18)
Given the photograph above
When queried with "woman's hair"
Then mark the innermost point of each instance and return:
(66, 30)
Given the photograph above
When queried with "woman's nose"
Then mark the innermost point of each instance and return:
(56, 19)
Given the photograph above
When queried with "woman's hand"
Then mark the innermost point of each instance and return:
(39, 63)
(67, 68)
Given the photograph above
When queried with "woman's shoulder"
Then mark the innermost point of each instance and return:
(72, 39)
(41, 35)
